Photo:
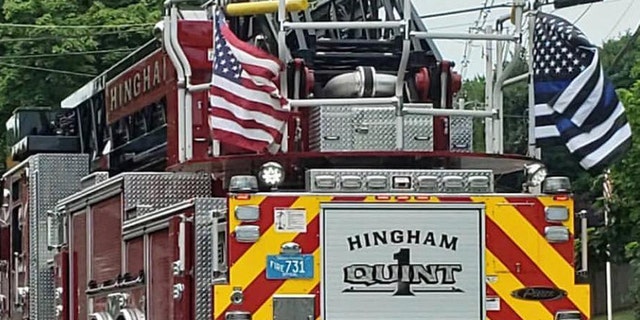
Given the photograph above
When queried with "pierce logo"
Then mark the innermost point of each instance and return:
(409, 278)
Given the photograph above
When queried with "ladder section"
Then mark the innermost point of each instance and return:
(372, 80)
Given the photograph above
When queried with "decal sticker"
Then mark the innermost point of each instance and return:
(539, 293)
(290, 220)
(493, 304)
(210, 54)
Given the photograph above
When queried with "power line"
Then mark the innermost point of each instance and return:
(105, 26)
(64, 54)
(624, 13)
(4, 40)
(20, 66)
(582, 14)
(448, 13)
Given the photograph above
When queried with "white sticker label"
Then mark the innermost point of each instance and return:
(290, 220)
(210, 54)
(493, 304)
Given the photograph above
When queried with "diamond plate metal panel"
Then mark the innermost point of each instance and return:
(374, 129)
(145, 192)
(418, 132)
(51, 178)
(414, 175)
(330, 129)
(367, 129)
(205, 208)
(461, 134)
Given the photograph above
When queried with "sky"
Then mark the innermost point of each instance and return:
(599, 21)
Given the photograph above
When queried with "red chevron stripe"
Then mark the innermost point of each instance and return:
(535, 215)
(236, 249)
(349, 198)
(261, 289)
(455, 199)
(506, 312)
(528, 273)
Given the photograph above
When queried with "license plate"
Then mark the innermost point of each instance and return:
(290, 266)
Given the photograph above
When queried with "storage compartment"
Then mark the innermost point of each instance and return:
(367, 129)
(79, 269)
(106, 240)
(160, 281)
(461, 134)
(292, 306)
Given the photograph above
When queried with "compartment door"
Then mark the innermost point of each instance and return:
(374, 129)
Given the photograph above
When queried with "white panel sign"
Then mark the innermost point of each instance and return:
(290, 220)
(403, 261)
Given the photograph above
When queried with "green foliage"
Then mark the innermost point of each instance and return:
(63, 48)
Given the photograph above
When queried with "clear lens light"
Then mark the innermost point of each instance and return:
(539, 176)
(536, 173)
(272, 173)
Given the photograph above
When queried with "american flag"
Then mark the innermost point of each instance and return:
(575, 103)
(246, 108)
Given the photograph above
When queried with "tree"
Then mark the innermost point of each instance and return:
(40, 65)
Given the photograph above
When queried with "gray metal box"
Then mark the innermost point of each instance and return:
(367, 129)
(374, 129)
(461, 133)
(294, 307)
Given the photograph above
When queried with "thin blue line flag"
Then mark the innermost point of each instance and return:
(575, 103)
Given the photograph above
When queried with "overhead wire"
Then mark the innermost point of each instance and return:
(25, 39)
(62, 54)
(57, 26)
(21, 66)
(583, 13)
(478, 25)
(624, 13)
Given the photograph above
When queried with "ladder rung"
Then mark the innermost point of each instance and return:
(318, 25)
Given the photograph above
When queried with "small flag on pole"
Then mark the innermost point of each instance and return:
(575, 103)
(246, 108)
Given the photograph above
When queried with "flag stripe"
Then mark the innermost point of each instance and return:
(254, 100)
(244, 119)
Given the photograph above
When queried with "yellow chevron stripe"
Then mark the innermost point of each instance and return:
(255, 200)
(525, 236)
(506, 283)
(292, 286)
(252, 263)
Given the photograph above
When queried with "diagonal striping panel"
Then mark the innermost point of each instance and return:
(525, 309)
(555, 268)
(533, 212)
(236, 249)
(292, 286)
(506, 311)
(249, 270)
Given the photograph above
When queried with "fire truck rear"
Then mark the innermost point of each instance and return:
(120, 205)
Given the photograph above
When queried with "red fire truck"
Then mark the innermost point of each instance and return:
(379, 204)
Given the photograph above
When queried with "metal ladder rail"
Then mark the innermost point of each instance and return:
(404, 23)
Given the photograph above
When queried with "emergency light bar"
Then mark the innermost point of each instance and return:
(381, 181)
